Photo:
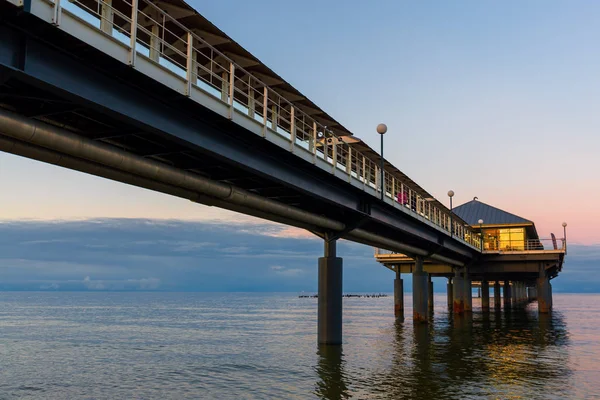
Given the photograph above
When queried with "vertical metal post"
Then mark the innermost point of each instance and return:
(364, 175)
(274, 117)
(451, 219)
(224, 87)
(313, 143)
(329, 329)
(133, 32)
(106, 17)
(349, 164)
(265, 110)
(334, 154)
(56, 13)
(189, 64)
(251, 101)
(155, 44)
(382, 181)
(231, 88)
(292, 129)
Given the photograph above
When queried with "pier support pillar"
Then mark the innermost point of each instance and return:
(485, 296)
(420, 286)
(430, 294)
(468, 293)
(507, 302)
(450, 293)
(330, 296)
(398, 296)
(544, 291)
(497, 295)
(457, 293)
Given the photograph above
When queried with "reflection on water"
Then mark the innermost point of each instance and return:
(262, 346)
(515, 354)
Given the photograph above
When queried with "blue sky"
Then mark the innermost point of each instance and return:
(490, 99)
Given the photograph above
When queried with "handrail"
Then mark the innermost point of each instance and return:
(153, 33)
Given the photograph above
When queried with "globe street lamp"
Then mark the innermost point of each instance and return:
(451, 195)
(481, 232)
(382, 129)
(564, 224)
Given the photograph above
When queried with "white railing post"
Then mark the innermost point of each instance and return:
(251, 103)
(231, 88)
(334, 154)
(313, 143)
(224, 86)
(364, 175)
(292, 129)
(133, 33)
(274, 117)
(265, 110)
(56, 12)
(189, 64)
(106, 17)
(154, 43)
(349, 164)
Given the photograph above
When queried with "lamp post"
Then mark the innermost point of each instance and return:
(481, 233)
(564, 225)
(451, 195)
(382, 129)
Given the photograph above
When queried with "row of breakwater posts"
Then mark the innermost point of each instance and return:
(371, 296)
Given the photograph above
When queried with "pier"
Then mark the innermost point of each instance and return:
(152, 94)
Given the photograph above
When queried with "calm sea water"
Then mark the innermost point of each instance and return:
(245, 346)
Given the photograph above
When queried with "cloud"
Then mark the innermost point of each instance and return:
(139, 254)
(93, 285)
(290, 272)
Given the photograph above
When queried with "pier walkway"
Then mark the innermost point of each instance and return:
(152, 94)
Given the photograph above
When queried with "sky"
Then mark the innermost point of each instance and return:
(490, 99)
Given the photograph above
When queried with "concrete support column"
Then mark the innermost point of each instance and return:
(450, 293)
(398, 296)
(507, 298)
(330, 296)
(485, 295)
(430, 294)
(458, 298)
(420, 286)
(544, 291)
(514, 290)
(497, 295)
(468, 293)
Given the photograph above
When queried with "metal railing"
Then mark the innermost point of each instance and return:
(494, 245)
(150, 32)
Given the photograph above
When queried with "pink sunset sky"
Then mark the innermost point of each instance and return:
(497, 101)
